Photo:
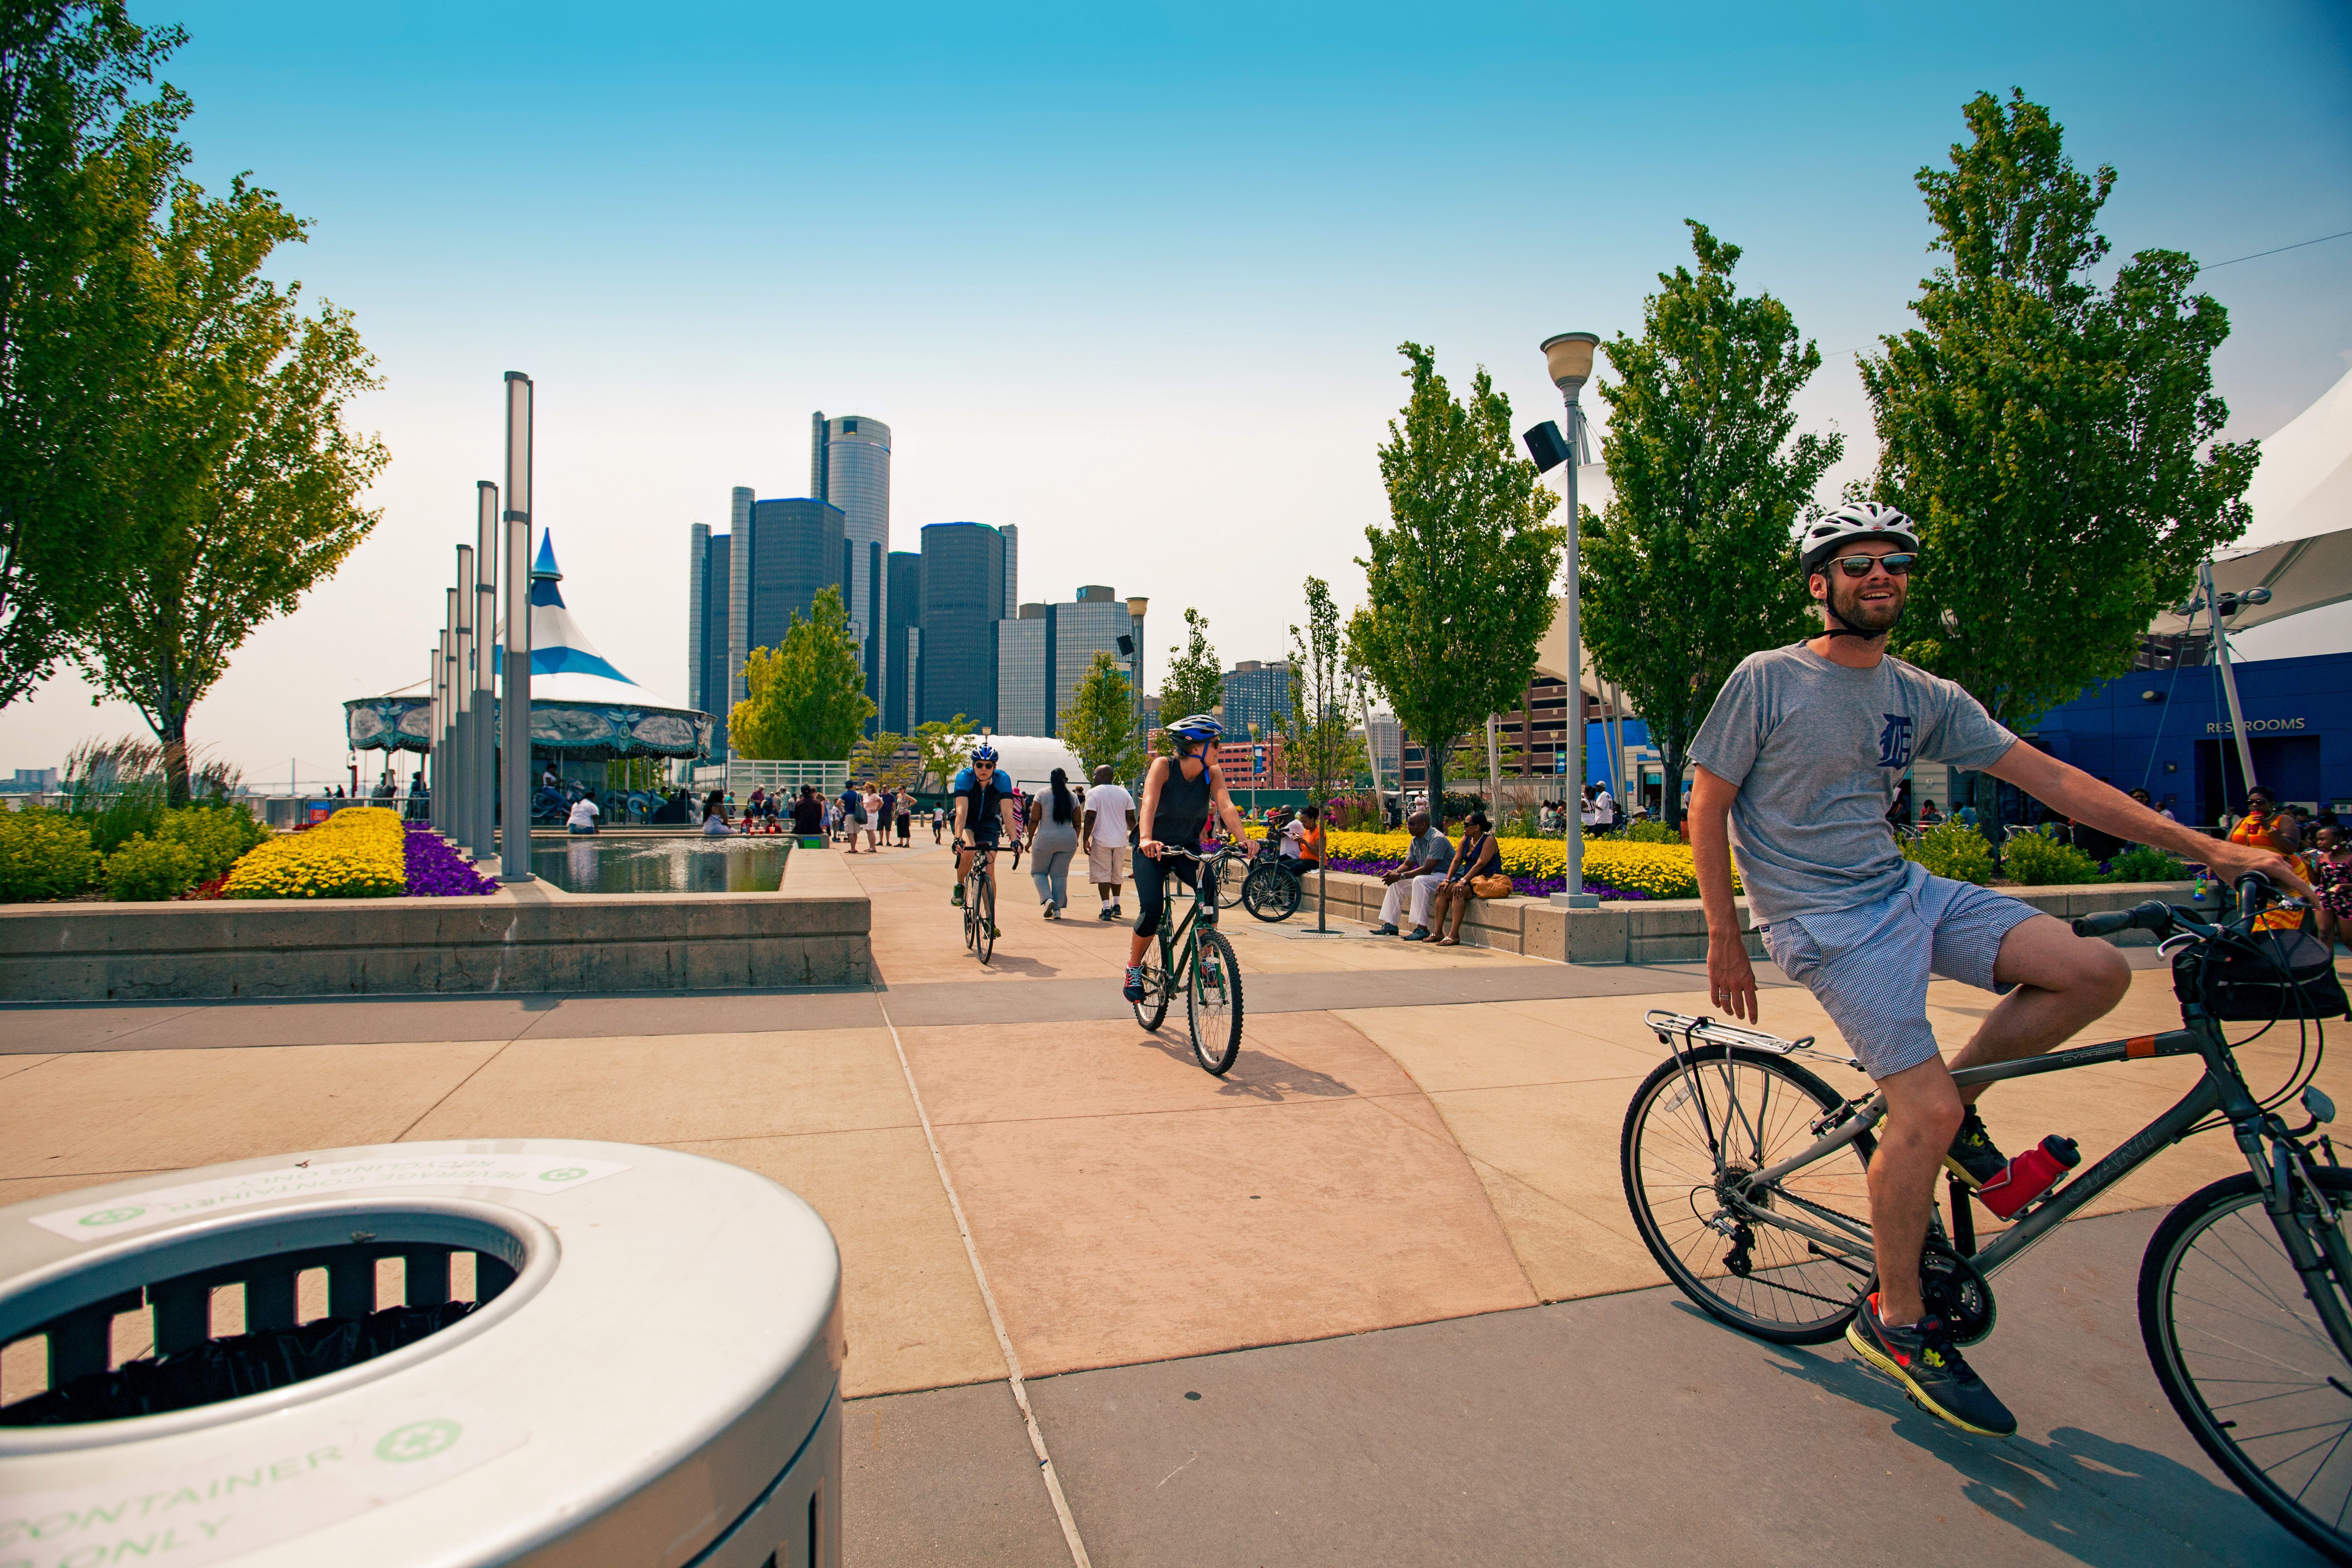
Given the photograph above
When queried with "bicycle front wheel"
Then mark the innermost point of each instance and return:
(1270, 892)
(1696, 1129)
(2246, 1360)
(983, 936)
(1230, 875)
(1212, 1002)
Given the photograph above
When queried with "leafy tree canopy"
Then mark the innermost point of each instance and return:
(1689, 569)
(942, 748)
(1195, 680)
(1460, 583)
(1318, 753)
(2054, 438)
(807, 695)
(1100, 722)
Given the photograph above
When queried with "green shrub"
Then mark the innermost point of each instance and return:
(1953, 850)
(44, 855)
(2039, 862)
(218, 836)
(147, 869)
(2146, 863)
(1643, 832)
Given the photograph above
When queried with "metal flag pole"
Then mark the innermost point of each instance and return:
(514, 712)
(2229, 682)
(483, 786)
(461, 677)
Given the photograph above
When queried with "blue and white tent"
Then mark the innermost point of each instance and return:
(581, 705)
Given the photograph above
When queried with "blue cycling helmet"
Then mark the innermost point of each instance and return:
(984, 752)
(1197, 727)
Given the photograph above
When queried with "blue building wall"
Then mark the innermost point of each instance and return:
(2169, 730)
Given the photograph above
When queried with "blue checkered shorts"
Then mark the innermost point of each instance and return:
(1869, 966)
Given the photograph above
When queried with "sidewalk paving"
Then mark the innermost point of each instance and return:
(1416, 1150)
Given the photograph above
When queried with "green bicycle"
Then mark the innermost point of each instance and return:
(1195, 958)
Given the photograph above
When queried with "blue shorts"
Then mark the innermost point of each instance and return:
(1869, 966)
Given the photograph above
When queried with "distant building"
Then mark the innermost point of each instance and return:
(1252, 765)
(961, 601)
(849, 466)
(1024, 672)
(1257, 693)
(1011, 533)
(1530, 738)
(902, 593)
(744, 587)
(1385, 747)
(31, 781)
(1045, 650)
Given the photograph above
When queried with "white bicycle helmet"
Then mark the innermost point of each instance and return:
(1850, 525)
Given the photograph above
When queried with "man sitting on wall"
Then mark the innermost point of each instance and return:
(1421, 875)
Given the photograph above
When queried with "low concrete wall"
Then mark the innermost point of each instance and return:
(527, 938)
(1670, 931)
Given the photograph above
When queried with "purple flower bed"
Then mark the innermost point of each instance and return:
(434, 871)
(1524, 887)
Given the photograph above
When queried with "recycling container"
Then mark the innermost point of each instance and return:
(525, 1351)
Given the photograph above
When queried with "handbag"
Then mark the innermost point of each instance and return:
(2291, 975)
(1493, 885)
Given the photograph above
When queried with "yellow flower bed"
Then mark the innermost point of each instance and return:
(361, 852)
(1660, 870)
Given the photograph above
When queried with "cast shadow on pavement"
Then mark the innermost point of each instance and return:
(2104, 1502)
(1254, 1073)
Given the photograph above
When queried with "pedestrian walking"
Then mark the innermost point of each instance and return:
(872, 801)
(1053, 841)
(1107, 827)
(853, 813)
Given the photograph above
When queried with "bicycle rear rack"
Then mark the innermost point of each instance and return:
(1672, 1027)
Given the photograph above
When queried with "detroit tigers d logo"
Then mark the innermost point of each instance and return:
(1895, 740)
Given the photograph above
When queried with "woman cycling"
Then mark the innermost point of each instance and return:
(1177, 794)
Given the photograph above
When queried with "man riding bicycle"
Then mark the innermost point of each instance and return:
(983, 803)
(1797, 764)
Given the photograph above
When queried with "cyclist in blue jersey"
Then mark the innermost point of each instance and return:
(983, 803)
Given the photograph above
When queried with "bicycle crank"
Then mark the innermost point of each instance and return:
(1950, 1288)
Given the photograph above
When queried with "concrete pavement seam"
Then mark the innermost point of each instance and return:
(453, 1088)
(995, 1319)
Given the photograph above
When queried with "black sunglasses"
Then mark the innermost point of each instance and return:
(1858, 567)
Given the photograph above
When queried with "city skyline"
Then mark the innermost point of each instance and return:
(1146, 314)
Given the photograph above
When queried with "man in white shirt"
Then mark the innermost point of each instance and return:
(1109, 819)
(583, 814)
(1605, 808)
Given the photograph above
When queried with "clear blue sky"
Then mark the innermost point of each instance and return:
(1131, 278)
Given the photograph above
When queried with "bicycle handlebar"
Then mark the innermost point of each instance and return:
(2150, 916)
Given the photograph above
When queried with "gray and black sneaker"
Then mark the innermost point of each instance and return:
(1923, 1359)
(956, 897)
(1972, 1156)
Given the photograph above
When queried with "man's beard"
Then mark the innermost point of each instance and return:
(1846, 605)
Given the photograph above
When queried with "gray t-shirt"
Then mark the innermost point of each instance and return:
(1430, 849)
(1817, 751)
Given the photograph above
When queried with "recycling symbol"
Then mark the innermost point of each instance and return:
(113, 1217)
(569, 1174)
(417, 1440)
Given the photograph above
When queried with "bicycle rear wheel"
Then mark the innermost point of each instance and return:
(1692, 1136)
(1230, 877)
(1270, 892)
(1212, 1002)
(2249, 1365)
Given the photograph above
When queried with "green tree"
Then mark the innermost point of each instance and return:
(85, 160)
(940, 749)
(1460, 583)
(1195, 682)
(2054, 439)
(1318, 753)
(885, 758)
(239, 481)
(807, 695)
(1100, 722)
(1689, 569)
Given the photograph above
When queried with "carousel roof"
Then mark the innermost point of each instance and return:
(567, 672)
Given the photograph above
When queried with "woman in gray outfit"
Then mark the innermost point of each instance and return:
(1053, 840)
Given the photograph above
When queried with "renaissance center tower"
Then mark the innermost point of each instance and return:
(849, 465)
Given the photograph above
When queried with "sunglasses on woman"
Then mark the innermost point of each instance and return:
(1858, 567)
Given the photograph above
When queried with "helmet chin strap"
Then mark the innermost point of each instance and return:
(1838, 626)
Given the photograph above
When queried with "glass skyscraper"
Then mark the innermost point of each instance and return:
(796, 552)
(1257, 694)
(1024, 674)
(705, 629)
(1092, 624)
(744, 587)
(962, 598)
(902, 591)
(849, 465)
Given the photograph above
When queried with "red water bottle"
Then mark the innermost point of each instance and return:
(2030, 1175)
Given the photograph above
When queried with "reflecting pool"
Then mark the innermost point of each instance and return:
(697, 864)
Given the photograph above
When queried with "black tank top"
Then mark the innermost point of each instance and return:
(1183, 804)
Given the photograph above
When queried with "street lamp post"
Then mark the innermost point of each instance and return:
(1136, 605)
(483, 786)
(514, 703)
(461, 703)
(1569, 357)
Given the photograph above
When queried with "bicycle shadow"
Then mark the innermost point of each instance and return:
(2098, 1499)
(1254, 1075)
